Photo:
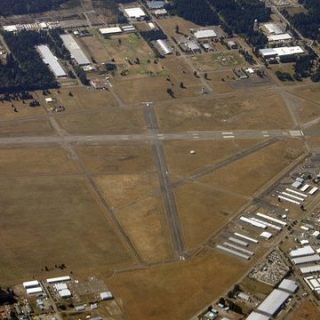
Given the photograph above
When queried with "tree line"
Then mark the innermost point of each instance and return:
(9, 7)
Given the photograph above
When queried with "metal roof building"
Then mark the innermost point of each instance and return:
(279, 37)
(307, 259)
(76, 52)
(257, 316)
(273, 28)
(34, 290)
(310, 269)
(274, 301)
(49, 59)
(155, 4)
(110, 30)
(135, 13)
(205, 34)
(288, 285)
(301, 252)
(58, 279)
(31, 284)
(163, 47)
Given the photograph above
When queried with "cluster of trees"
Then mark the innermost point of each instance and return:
(191, 10)
(9, 7)
(307, 23)
(25, 69)
(238, 16)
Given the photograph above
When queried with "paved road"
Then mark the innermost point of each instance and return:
(151, 137)
(165, 183)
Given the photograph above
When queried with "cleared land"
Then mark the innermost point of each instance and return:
(253, 110)
(248, 174)
(175, 291)
(56, 220)
(203, 211)
(305, 310)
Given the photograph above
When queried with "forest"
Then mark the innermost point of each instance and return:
(25, 69)
(9, 7)
(307, 23)
(199, 14)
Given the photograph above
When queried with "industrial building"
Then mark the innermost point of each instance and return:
(257, 316)
(58, 279)
(128, 28)
(205, 34)
(51, 61)
(76, 52)
(136, 13)
(281, 53)
(279, 38)
(163, 47)
(272, 28)
(155, 4)
(110, 30)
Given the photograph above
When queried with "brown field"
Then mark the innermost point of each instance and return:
(237, 111)
(218, 61)
(145, 224)
(56, 220)
(110, 120)
(255, 288)
(220, 81)
(309, 93)
(134, 186)
(117, 159)
(83, 99)
(174, 291)
(249, 174)
(15, 161)
(169, 25)
(96, 48)
(25, 128)
(182, 163)
(207, 212)
(152, 89)
(305, 310)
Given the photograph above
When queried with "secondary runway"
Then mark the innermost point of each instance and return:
(150, 137)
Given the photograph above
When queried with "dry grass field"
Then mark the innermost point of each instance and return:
(305, 310)
(207, 212)
(175, 291)
(182, 163)
(56, 220)
(247, 175)
(110, 120)
(144, 222)
(237, 111)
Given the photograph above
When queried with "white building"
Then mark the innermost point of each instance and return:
(110, 30)
(136, 13)
(283, 37)
(272, 28)
(52, 61)
(281, 52)
(205, 34)
(76, 52)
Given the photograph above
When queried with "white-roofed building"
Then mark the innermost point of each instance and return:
(58, 279)
(205, 34)
(281, 52)
(301, 252)
(135, 13)
(11, 28)
(34, 290)
(110, 30)
(273, 28)
(283, 37)
(31, 284)
(163, 47)
(128, 28)
(76, 52)
(273, 303)
(49, 59)
(155, 4)
(257, 316)
(288, 285)
(106, 295)
(66, 293)
(61, 286)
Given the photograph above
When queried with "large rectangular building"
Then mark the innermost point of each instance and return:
(49, 59)
(281, 52)
(76, 52)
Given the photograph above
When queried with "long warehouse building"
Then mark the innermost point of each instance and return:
(76, 52)
(49, 59)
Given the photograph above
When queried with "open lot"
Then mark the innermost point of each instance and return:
(207, 212)
(174, 291)
(56, 220)
(236, 111)
(247, 175)
(305, 310)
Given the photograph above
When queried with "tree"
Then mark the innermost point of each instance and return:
(170, 93)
